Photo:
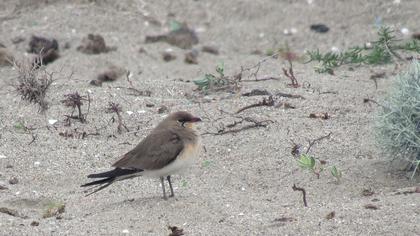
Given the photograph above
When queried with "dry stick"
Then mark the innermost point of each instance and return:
(34, 136)
(303, 193)
(311, 143)
(120, 123)
(290, 74)
(258, 65)
(265, 102)
(255, 124)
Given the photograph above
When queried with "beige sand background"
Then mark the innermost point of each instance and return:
(242, 183)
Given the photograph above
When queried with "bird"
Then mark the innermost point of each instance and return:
(170, 148)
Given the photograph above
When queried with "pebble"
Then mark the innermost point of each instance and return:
(13, 180)
(405, 31)
(52, 121)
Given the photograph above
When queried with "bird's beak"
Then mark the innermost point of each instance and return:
(195, 119)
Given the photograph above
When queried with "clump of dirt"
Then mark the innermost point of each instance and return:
(94, 44)
(184, 37)
(175, 231)
(167, 56)
(46, 49)
(112, 73)
(210, 49)
(191, 57)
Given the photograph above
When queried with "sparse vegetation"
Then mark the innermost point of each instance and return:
(317, 166)
(217, 82)
(382, 51)
(75, 100)
(117, 109)
(32, 83)
(54, 209)
(398, 124)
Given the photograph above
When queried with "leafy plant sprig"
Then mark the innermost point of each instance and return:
(310, 163)
(381, 51)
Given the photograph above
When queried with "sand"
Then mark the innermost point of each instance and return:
(242, 182)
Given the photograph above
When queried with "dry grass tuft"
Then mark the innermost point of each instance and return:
(33, 83)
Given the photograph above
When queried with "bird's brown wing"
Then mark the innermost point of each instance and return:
(157, 150)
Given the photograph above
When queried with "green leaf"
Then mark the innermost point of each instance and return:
(336, 173)
(174, 25)
(306, 161)
(206, 163)
(221, 69)
(184, 183)
(19, 126)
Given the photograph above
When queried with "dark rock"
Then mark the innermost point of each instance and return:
(34, 223)
(13, 180)
(163, 109)
(256, 92)
(167, 56)
(210, 49)
(94, 44)
(46, 50)
(184, 37)
(191, 57)
(320, 28)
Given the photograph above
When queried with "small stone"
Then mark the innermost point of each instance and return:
(335, 49)
(150, 105)
(125, 231)
(34, 223)
(167, 56)
(13, 180)
(405, 31)
(210, 49)
(162, 109)
(96, 82)
(191, 57)
(320, 28)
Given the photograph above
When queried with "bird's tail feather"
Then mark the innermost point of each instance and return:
(110, 177)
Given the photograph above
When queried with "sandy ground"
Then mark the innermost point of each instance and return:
(242, 183)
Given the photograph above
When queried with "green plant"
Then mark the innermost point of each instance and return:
(215, 82)
(381, 51)
(336, 173)
(310, 163)
(398, 124)
(54, 209)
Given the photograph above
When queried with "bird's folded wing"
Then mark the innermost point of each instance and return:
(158, 149)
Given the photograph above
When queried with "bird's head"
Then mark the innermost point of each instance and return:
(183, 118)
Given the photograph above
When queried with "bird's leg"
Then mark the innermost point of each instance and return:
(163, 188)
(170, 186)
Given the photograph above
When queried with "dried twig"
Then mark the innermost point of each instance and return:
(290, 74)
(303, 193)
(311, 143)
(254, 124)
(265, 102)
(117, 109)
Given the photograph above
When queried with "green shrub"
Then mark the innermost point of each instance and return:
(399, 120)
